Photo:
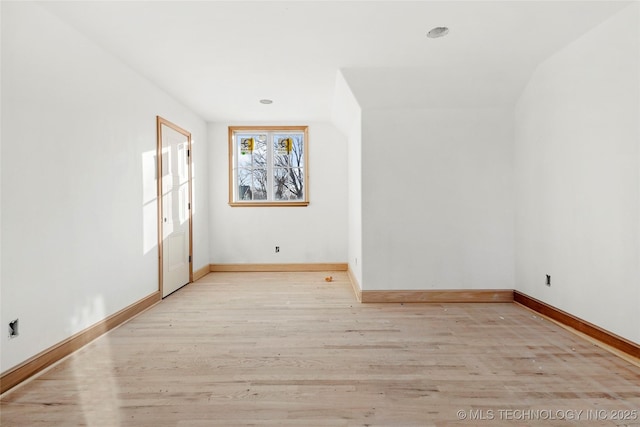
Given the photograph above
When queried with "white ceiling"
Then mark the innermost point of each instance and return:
(220, 58)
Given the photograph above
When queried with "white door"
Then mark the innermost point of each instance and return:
(176, 245)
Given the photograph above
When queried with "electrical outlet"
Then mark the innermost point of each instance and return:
(13, 329)
(548, 282)
(277, 249)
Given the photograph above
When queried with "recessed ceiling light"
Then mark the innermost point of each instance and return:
(438, 32)
(266, 101)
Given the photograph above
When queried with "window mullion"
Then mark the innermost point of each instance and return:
(270, 166)
(253, 177)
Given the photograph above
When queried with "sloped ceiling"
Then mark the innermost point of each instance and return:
(220, 58)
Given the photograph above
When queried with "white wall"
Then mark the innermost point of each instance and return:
(577, 163)
(78, 202)
(437, 199)
(312, 234)
(1, 317)
(355, 254)
(347, 115)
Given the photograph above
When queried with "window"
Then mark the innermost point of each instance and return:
(268, 166)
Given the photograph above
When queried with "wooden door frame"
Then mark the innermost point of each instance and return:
(159, 122)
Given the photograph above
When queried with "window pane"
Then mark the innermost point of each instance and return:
(297, 155)
(288, 150)
(252, 184)
(244, 184)
(260, 153)
(288, 184)
(288, 162)
(251, 150)
(244, 160)
(259, 184)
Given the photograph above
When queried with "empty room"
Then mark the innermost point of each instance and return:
(320, 213)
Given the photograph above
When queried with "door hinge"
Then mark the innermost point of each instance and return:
(188, 153)
(188, 205)
(189, 258)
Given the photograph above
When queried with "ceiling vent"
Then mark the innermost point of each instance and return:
(438, 32)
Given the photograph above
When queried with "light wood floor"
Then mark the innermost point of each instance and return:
(289, 349)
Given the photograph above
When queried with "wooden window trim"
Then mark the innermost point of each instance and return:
(269, 203)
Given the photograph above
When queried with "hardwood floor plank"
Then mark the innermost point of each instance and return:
(290, 349)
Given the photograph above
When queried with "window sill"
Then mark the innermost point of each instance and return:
(267, 204)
